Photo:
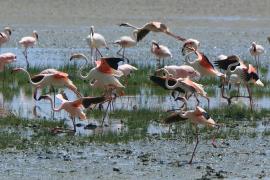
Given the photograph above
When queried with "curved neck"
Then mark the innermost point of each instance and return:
(231, 65)
(54, 109)
(29, 77)
(132, 26)
(167, 81)
(82, 67)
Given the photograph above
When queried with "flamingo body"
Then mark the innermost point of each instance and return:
(6, 58)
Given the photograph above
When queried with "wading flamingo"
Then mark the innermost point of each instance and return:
(196, 117)
(5, 36)
(96, 41)
(151, 26)
(59, 79)
(127, 70)
(6, 58)
(74, 108)
(27, 42)
(125, 42)
(161, 52)
(256, 50)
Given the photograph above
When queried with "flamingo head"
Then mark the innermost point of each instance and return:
(35, 35)
(154, 43)
(253, 44)
(92, 30)
(7, 30)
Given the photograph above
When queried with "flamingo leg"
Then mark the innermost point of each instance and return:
(197, 142)
(250, 97)
(26, 59)
(99, 52)
(118, 52)
(214, 138)
(105, 114)
(92, 58)
(74, 124)
(124, 55)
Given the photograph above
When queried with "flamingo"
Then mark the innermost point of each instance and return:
(27, 42)
(196, 117)
(243, 75)
(151, 26)
(127, 70)
(105, 72)
(96, 41)
(182, 71)
(189, 44)
(202, 65)
(125, 42)
(160, 51)
(6, 58)
(190, 87)
(256, 50)
(5, 36)
(58, 79)
(74, 108)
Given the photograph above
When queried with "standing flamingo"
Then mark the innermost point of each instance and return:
(5, 36)
(256, 50)
(182, 71)
(190, 45)
(196, 116)
(96, 41)
(243, 74)
(27, 42)
(125, 42)
(151, 26)
(161, 52)
(59, 79)
(6, 58)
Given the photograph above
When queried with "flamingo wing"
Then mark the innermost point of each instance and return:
(141, 34)
(204, 61)
(109, 66)
(59, 75)
(224, 63)
(162, 83)
(87, 101)
(174, 117)
(37, 78)
(61, 97)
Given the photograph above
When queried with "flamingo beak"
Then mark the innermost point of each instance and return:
(259, 83)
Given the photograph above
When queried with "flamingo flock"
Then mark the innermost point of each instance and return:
(107, 73)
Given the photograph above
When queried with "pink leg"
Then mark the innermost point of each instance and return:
(197, 142)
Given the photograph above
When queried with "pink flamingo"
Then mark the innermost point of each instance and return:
(151, 26)
(58, 79)
(196, 117)
(256, 50)
(182, 71)
(160, 51)
(190, 45)
(125, 42)
(27, 42)
(5, 36)
(6, 58)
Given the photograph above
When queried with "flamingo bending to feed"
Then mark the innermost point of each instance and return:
(27, 42)
(160, 51)
(256, 50)
(190, 87)
(58, 79)
(182, 71)
(151, 26)
(190, 45)
(196, 117)
(5, 36)
(74, 108)
(127, 70)
(96, 41)
(6, 58)
(243, 75)
(125, 42)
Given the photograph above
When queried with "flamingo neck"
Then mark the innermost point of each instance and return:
(82, 67)
(29, 77)
(167, 81)
(53, 108)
